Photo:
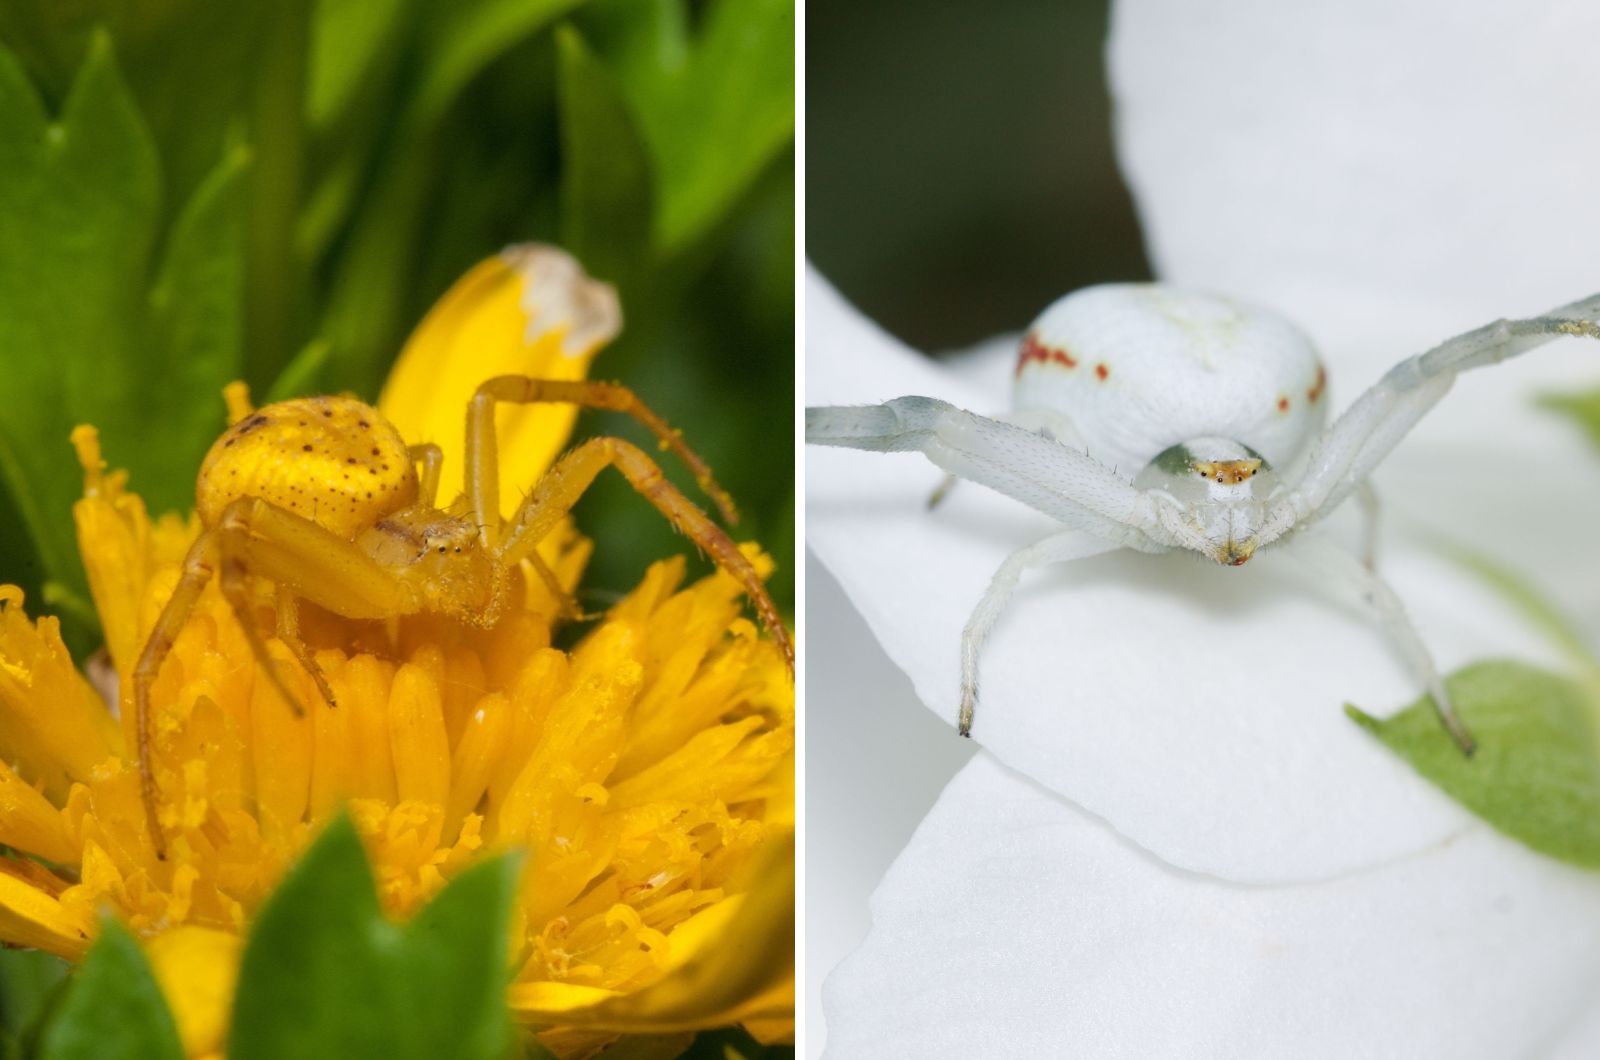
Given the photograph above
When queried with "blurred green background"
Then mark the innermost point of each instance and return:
(950, 203)
(192, 192)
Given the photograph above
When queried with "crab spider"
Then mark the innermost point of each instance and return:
(322, 497)
(1156, 419)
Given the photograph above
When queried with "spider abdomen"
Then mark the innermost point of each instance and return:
(1138, 368)
(333, 460)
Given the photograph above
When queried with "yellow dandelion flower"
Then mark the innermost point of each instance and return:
(648, 770)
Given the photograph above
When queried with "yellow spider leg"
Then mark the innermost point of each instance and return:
(230, 580)
(236, 395)
(287, 605)
(198, 566)
(483, 463)
(564, 483)
(310, 561)
(256, 538)
(429, 458)
(568, 604)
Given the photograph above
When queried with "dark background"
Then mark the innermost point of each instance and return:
(959, 167)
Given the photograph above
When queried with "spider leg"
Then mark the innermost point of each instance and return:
(483, 462)
(1044, 474)
(198, 566)
(254, 537)
(287, 606)
(230, 579)
(236, 395)
(429, 458)
(1370, 428)
(567, 603)
(1367, 498)
(564, 483)
(1060, 547)
(1047, 422)
(1336, 564)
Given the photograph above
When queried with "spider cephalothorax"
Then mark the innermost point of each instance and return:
(1157, 419)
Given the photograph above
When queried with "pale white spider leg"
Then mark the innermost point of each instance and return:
(942, 490)
(1367, 498)
(1047, 422)
(1334, 564)
(1059, 547)
(1049, 477)
(1349, 451)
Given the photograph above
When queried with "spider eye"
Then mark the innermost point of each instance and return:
(441, 549)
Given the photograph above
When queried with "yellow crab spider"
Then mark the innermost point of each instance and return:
(322, 497)
(1156, 419)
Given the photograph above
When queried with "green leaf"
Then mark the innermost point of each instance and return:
(31, 985)
(463, 38)
(1516, 589)
(114, 1008)
(302, 375)
(353, 45)
(605, 181)
(1584, 409)
(98, 327)
(324, 974)
(714, 110)
(191, 66)
(1536, 773)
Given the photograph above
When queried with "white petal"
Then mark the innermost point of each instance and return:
(1017, 925)
(876, 761)
(1384, 175)
(1196, 708)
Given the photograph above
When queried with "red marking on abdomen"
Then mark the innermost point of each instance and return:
(1034, 350)
(1283, 403)
(1102, 371)
(1320, 385)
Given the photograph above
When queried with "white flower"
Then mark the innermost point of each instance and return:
(1174, 842)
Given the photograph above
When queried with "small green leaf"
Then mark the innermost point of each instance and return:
(114, 1008)
(605, 182)
(97, 327)
(463, 38)
(31, 985)
(1584, 409)
(1536, 773)
(714, 110)
(325, 974)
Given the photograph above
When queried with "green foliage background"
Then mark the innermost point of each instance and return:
(194, 192)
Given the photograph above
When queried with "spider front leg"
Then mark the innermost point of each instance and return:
(482, 455)
(1057, 548)
(1367, 431)
(1335, 564)
(1048, 476)
(565, 482)
(428, 458)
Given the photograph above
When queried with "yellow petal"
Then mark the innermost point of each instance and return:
(53, 724)
(729, 962)
(197, 968)
(29, 822)
(530, 310)
(30, 917)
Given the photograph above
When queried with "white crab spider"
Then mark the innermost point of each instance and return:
(1156, 419)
